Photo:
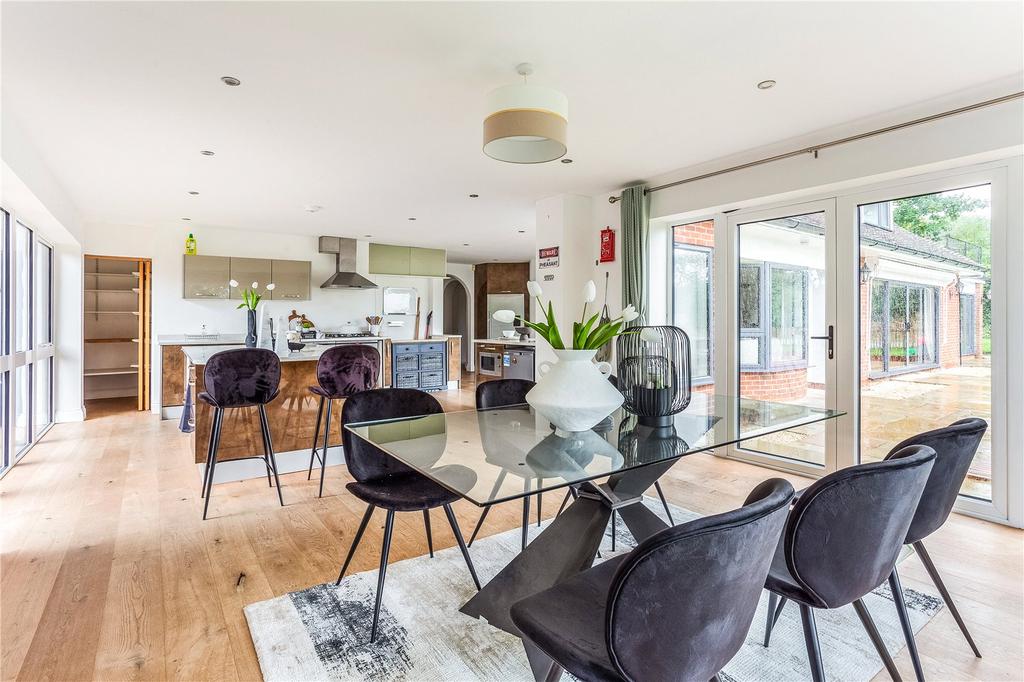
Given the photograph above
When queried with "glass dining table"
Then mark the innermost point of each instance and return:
(500, 454)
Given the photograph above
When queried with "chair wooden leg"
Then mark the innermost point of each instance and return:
(908, 631)
(268, 449)
(664, 502)
(355, 542)
(934, 573)
(389, 525)
(876, 639)
(323, 450)
(316, 437)
(218, 418)
(812, 644)
(479, 523)
(430, 539)
(453, 522)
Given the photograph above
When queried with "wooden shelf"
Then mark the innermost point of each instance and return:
(112, 312)
(115, 340)
(133, 290)
(110, 371)
(112, 274)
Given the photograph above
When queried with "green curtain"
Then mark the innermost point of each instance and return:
(634, 207)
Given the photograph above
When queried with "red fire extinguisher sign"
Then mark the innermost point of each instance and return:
(607, 245)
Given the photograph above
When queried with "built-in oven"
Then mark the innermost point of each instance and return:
(489, 361)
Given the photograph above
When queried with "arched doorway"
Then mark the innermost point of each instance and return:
(456, 316)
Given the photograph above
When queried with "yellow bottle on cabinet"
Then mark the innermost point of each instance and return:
(190, 245)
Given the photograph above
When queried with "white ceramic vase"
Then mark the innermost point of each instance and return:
(574, 394)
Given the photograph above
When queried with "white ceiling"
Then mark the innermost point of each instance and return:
(374, 110)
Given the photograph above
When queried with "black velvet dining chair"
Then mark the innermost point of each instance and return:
(341, 371)
(955, 446)
(235, 379)
(504, 393)
(842, 539)
(677, 607)
(383, 481)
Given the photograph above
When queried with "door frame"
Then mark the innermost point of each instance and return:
(727, 369)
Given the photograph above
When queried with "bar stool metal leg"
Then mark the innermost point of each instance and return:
(209, 456)
(218, 416)
(384, 550)
(323, 451)
(316, 437)
(268, 449)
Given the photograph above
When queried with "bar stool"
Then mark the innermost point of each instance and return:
(240, 377)
(341, 371)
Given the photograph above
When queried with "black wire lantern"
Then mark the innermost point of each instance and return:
(654, 373)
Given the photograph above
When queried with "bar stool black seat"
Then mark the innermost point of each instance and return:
(677, 607)
(341, 371)
(383, 481)
(237, 378)
(842, 539)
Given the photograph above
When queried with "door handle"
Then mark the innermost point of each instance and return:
(830, 337)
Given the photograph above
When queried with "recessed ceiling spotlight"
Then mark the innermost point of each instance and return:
(474, 196)
(766, 85)
(230, 80)
(367, 235)
(466, 244)
(566, 160)
(206, 152)
(312, 208)
(521, 231)
(412, 219)
(194, 193)
(186, 219)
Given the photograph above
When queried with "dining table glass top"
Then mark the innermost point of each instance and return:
(499, 454)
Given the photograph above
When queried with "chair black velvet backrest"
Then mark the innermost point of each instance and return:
(955, 446)
(348, 368)
(680, 605)
(502, 392)
(242, 377)
(845, 532)
(369, 463)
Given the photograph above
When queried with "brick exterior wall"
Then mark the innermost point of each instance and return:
(949, 327)
(696, 234)
(789, 384)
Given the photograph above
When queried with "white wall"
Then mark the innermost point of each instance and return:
(465, 274)
(173, 314)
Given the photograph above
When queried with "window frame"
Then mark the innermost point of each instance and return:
(886, 327)
(763, 332)
(709, 255)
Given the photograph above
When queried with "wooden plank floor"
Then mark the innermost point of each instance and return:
(108, 573)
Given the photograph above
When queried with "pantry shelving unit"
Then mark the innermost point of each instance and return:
(117, 308)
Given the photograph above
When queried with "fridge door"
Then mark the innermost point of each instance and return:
(496, 302)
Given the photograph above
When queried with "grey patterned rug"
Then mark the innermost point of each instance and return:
(322, 633)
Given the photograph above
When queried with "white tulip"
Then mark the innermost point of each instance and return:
(628, 315)
(589, 291)
(506, 316)
(233, 283)
(534, 289)
(270, 287)
(649, 335)
(255, 285)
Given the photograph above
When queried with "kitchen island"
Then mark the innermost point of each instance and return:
(291, 415)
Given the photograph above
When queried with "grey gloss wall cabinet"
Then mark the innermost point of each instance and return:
(207, 277)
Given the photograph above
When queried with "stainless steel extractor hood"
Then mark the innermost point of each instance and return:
(345, 275)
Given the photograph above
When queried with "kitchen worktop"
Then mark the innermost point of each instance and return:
(200, 355)
(198, 340)
(507, 342)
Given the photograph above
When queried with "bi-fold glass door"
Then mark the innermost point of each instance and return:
(782, 328)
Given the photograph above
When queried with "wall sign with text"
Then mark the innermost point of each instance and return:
(547, 258)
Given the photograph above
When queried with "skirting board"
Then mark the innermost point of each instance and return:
(173, 412)
(287, 462)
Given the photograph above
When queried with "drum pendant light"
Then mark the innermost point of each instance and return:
(526, 123)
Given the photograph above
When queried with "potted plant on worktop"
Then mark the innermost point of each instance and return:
(574, 394)
(250, 300)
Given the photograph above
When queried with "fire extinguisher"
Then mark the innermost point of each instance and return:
(607, 245)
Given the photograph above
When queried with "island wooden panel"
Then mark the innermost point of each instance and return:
(172, 376)
(455, 358)
(292, 417)
(386, 365)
